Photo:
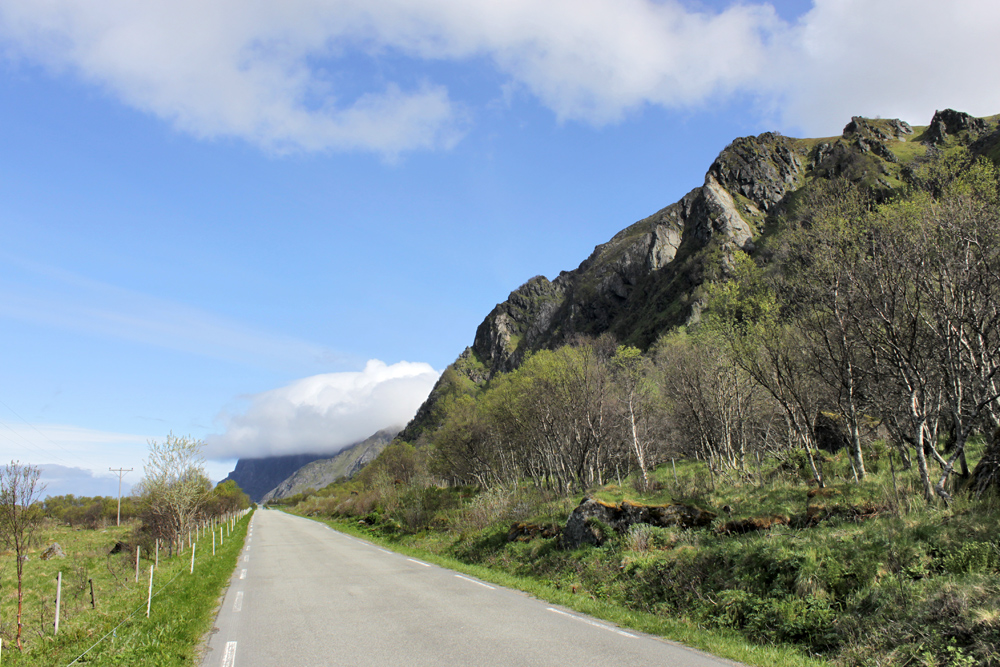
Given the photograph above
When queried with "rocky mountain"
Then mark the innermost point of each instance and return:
(258, 476)
(650, 277)
(319, 473)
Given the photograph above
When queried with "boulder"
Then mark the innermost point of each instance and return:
(740, 526)
(525, 532)
(592, 519)
(831, 433)
(54, 551)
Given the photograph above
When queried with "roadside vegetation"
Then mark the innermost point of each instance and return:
(860, 574)
(836, 409)
(102, 612)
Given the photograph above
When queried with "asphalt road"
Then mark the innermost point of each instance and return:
(305, 595)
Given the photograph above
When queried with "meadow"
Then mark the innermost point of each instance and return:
(109, 626)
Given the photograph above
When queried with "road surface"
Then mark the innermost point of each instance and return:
(304, 595)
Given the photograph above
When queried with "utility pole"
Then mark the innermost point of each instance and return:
(121, 473)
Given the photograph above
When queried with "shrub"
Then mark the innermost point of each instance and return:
(972, 558)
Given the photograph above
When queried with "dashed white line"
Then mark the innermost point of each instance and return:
(229, 656)
(246, 559)
(243, 574)
(593, 623)
(385, 551)
(475, 582)
(414, 560)
(238, 603)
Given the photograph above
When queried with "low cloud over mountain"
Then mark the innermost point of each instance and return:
(323, 414)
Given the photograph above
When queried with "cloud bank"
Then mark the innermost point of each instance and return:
(323, 414)
(361, 74)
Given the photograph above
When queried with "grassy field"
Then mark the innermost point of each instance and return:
(114, 630)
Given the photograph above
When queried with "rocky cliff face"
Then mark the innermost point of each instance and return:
(750, 178)
(649, 278)
(258, 476)
(318, 474)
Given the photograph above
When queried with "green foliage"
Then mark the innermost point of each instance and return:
(973, 558)
(89, 512)
(227, 497)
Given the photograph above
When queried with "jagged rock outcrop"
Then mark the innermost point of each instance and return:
(762, 169)
(321, 472)
(591, 518)
(951, 122)
(748, 179)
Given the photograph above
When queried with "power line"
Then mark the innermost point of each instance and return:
(33, 427)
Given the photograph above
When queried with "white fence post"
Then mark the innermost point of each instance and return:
(194, 547)
(58, 600)
(149, 596)
(137, 549)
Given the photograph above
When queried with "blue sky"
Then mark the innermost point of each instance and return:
(269, 225)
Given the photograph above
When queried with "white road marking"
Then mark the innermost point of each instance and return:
(476, 582)
(238, 604)
(414, 560)
(229, 657)
(593, 623)
(385, 551)
(243, 574)
(246, 559)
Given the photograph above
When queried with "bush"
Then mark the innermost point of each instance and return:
(973, 558)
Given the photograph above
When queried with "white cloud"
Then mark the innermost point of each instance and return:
(890, 58)
(323, 414)
(285, 74)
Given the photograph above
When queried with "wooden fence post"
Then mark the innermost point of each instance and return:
(137, 550)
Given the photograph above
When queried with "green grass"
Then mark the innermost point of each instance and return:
(183, 606)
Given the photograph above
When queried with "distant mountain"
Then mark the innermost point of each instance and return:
(651, 276)
(346, 464)
(258, 476)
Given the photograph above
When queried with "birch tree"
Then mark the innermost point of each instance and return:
(174, 486)
(20, 515)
